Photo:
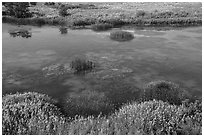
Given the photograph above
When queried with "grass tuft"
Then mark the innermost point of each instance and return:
(121, 36)
(82, 65)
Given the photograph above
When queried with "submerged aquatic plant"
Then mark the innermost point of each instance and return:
(165, 91)
(82, 65)
(121, 35)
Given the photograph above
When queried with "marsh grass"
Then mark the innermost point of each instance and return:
(81, 65)
(101, 26)
(165, 91)
(87, 103)
(121, 36)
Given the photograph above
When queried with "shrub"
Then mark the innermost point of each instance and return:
(140, 13)
(101, 27)
(33, 3)
(63, 11)
(165, 91)
(121, 36)
(87, 103)
(30, 113)
(49, 3)
(82, 65)
(157, 117)
(146, 118)
(18, 9)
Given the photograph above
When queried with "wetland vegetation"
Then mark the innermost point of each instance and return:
(131, 71)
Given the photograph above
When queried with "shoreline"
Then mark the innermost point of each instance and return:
(80, 24)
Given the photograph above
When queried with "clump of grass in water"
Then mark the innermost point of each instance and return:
(121, 36)
(101, 26)
(82, 65)
(165, 91)
(20, 33)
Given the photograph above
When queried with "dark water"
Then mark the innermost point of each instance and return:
(32, 59)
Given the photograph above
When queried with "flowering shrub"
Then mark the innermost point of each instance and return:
(165, 91)
(30, 113)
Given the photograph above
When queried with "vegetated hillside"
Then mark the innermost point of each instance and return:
(138, 13)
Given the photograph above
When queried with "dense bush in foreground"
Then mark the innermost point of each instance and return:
(29, 113)
(121, 36)
(165, 91)
(34, 113)
(147, 118)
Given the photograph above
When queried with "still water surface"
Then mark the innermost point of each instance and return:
(37, 62)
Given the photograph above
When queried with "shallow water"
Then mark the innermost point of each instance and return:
(33, 63)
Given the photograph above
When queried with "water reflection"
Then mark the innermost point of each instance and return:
(63, 30)
(20, 33)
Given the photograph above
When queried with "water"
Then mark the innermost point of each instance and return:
(32, 61)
